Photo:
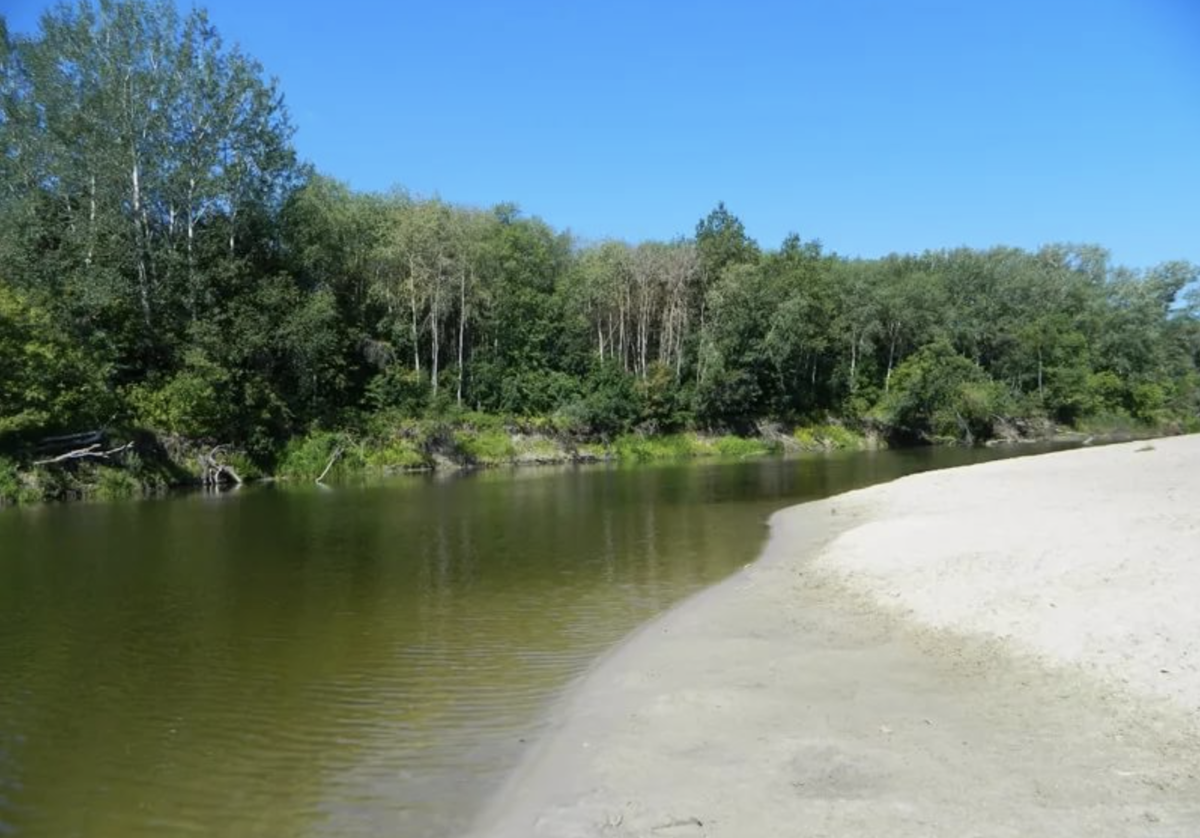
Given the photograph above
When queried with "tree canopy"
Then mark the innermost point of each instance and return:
(167, 260)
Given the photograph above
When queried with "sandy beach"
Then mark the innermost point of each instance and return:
(1009, 649)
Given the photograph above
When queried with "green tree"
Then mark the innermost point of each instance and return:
(46, 382)
(939, 394)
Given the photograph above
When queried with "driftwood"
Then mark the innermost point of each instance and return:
(90, 452)
(337, 453)
(214, 473)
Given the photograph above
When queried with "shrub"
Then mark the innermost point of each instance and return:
(305, 458)
(736, 446)
(939, 395)
(10, 482)
(662, 401)
(397, 454)
(46, 380)
(399, 388)
(115, 483)
(191, 403)
(484, 447)
(828, 438)
(635, 448)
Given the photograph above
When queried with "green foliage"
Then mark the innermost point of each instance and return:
(396, 454)
(115, 484)
(485, 447)
(828, 438)
(939, 394)
(635, 448)
(401, 389)
(609, 406)
(662, 403)
(742, 447)
(10, 482)
(46, 382)
(306, 457)
(192, 402)
(229, 293)
(1112, 423)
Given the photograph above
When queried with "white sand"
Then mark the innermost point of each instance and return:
(1005, 650)
(1089, 558)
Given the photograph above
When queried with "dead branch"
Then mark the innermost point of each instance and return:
(85, 453)
(336, 454)
(213, 472)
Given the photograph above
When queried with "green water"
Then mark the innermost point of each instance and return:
(362, 661)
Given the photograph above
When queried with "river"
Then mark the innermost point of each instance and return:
(366, 660)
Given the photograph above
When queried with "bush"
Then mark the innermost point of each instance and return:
(939, 395)
(484, 447)
(635, 448)
(115, 483)
(307, 457)
(828, 438)
(1147, 402)
(609, 406)
(741, 447)
(662, 402)
(401, 389)
(46, 381)
(192, 403)
(10, 482)
(398, 454)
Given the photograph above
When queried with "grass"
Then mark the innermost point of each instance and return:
(10, 483)
(829, 438)
(306, 457)
(539, 449)
(742, 447)
(485, 447)
(639, 449)
(115, 484)
(396, 454)
(1110, 423)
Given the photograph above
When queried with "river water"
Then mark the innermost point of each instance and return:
(367, 660)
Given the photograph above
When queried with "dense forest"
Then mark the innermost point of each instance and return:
(168, 264)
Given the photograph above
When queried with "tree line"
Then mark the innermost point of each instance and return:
(167, 262)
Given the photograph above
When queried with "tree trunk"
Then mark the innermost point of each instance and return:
(434, 339)
(462, 329)
(191, 241)
(854, 364)
(412, 297)
(887, 379)
(1041, 395)
(138, 242)
(91, 245)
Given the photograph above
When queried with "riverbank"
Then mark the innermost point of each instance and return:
(137, 462)
(131, 462)
(1008, 649)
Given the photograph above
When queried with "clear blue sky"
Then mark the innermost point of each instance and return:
(874, 126)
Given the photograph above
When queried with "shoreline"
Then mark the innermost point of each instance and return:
(819, 691)
(165, 463)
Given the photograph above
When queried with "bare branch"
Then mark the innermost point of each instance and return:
(85, 453)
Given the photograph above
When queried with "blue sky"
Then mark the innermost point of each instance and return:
(873, 126)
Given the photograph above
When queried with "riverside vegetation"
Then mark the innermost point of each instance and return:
(173, 275)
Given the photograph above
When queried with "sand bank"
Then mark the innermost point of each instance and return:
(1011, 649)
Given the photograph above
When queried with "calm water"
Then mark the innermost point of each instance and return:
(363, 661)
